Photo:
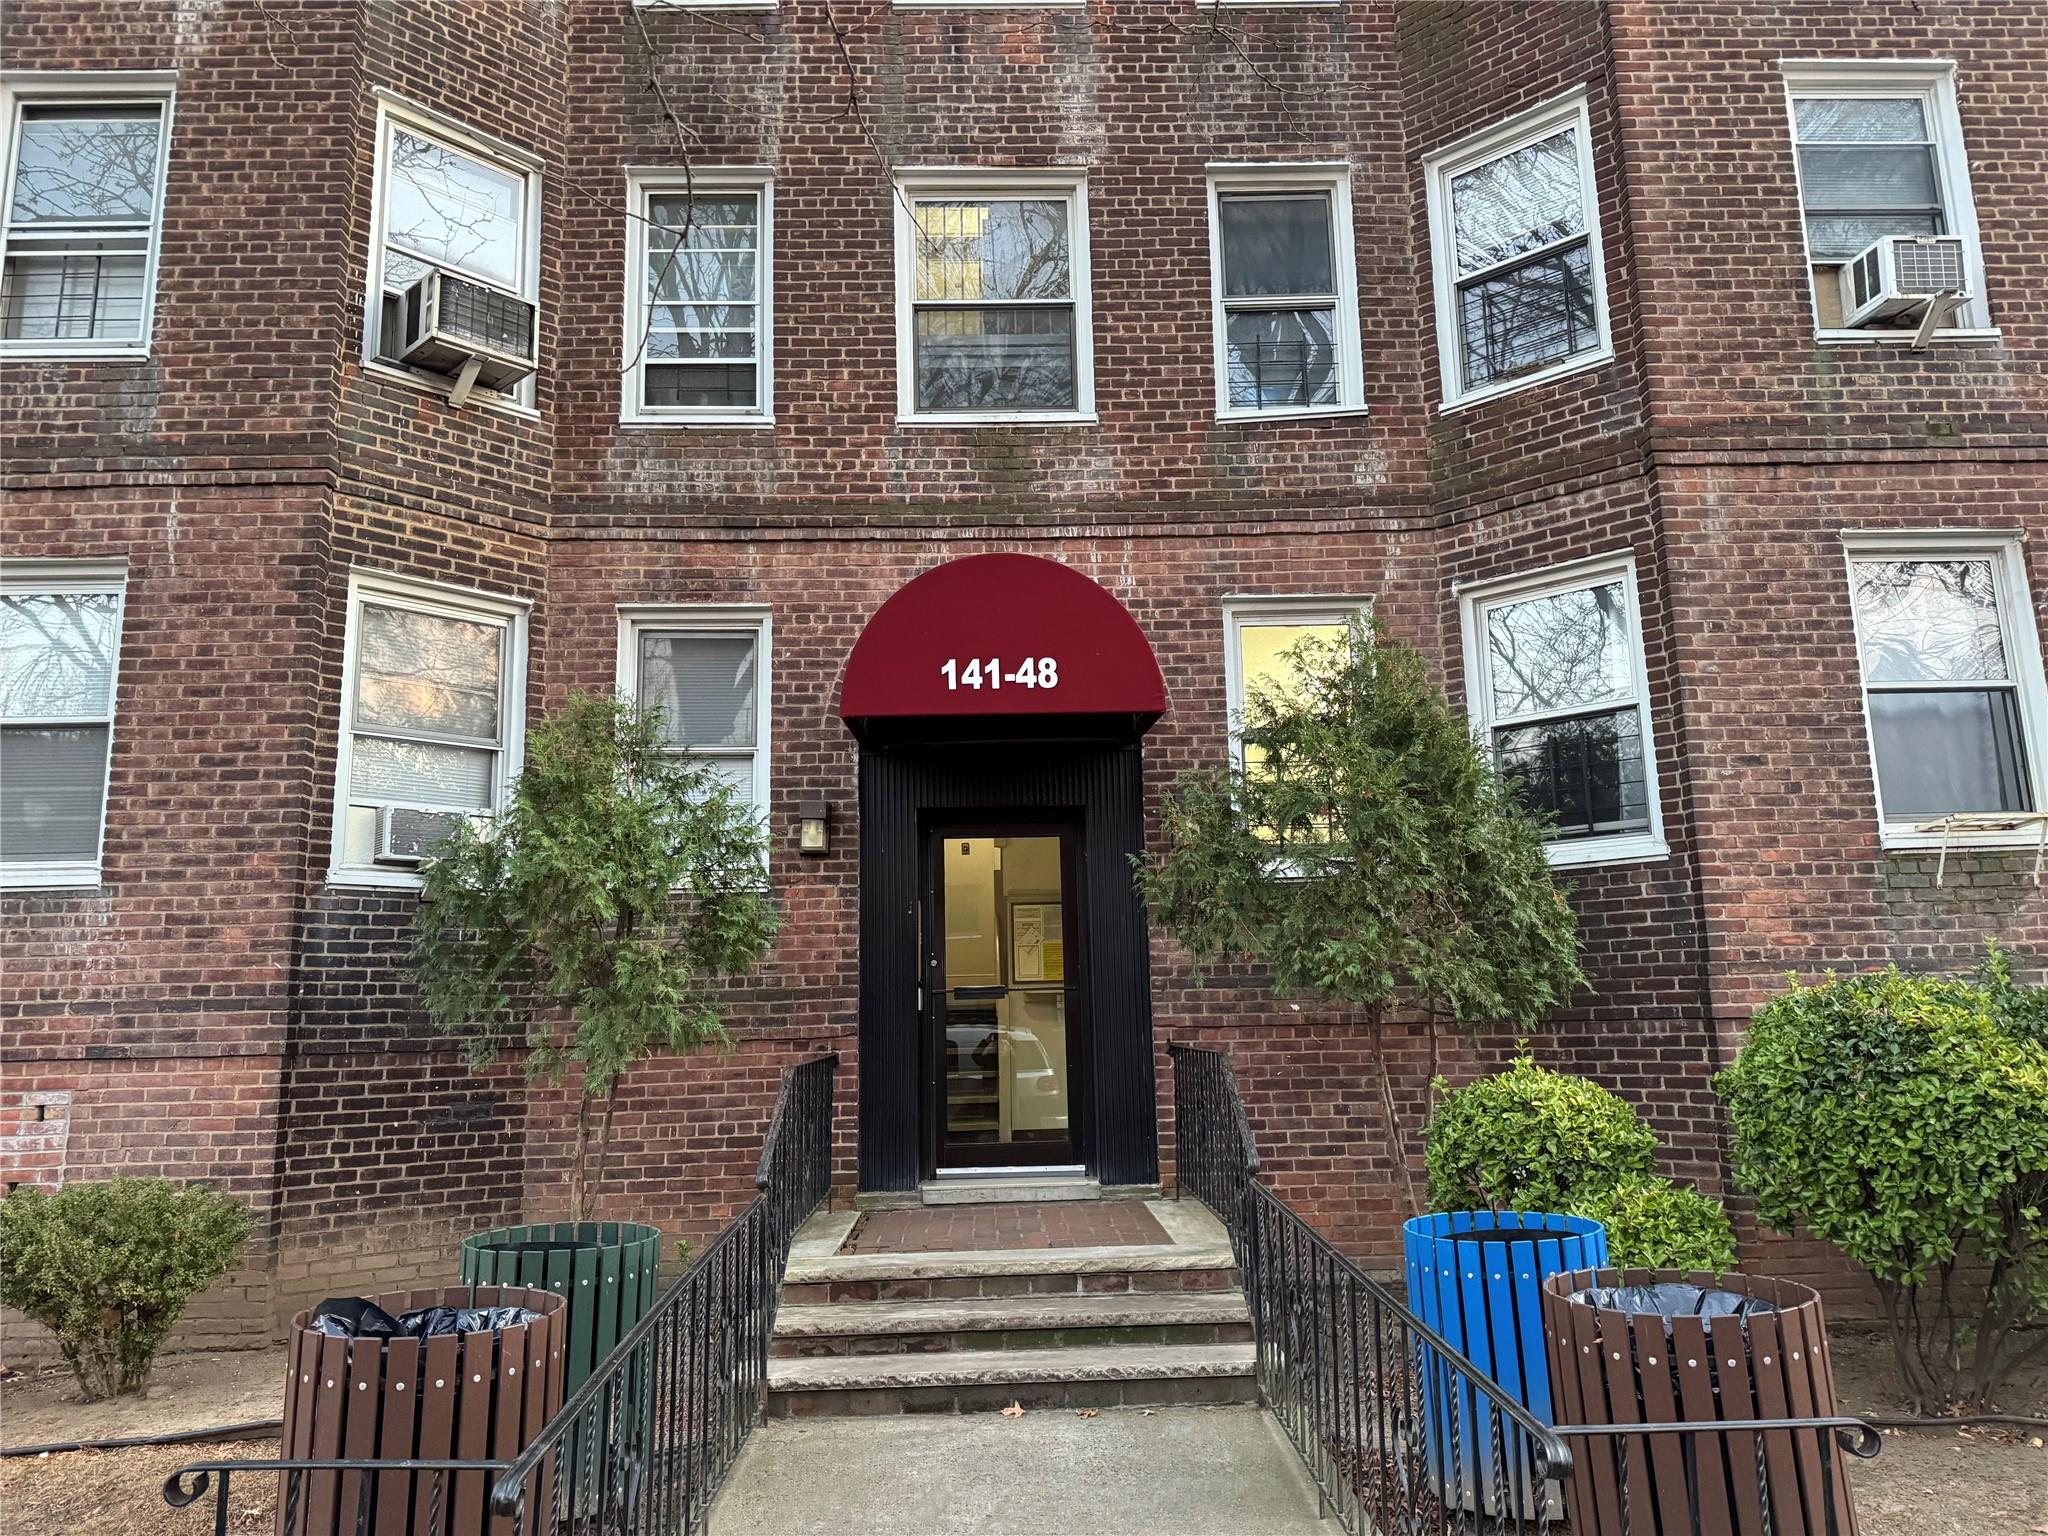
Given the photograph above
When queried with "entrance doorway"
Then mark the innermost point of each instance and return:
(1005, 1009)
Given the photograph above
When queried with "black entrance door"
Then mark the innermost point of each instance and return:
(1005, 1013)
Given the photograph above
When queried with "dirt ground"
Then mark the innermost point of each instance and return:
(1945, 1482)
(185, 1392)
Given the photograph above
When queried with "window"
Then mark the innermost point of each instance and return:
(706, 670)
(1284, 290)
(433, 699)
(85, 162)
(992, 298)
(1879, 151)
(60, 645)
(1515, 236)
(697, 337)
(1258, 634)
(447, 198)
(1952, 683)
(1560, 694)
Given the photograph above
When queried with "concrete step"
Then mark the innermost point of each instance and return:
(980, 1380)
(1008, 1189)
(1011, 1322)
(915, 1279)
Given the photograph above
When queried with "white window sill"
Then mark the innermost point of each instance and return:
(49, 877)
(705, 5)
(1289, 413)
(1563, 370)
(1903, 840)
(45, 352)
(504, 405)
(1639, 849)
(723, 423)
(1003, 419)
(375, 879)
(1905, 338)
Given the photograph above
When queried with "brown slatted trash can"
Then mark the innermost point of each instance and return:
(1612, 1364)
(475, 1396)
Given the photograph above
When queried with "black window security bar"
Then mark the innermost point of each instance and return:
(1404, 1436)
(646, 1441)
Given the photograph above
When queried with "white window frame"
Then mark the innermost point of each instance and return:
(643, 184)
(391, 589)
(2005, 549)
(82, 578)
(711, 619)
(1600, 570)
(706, 5)
(1933, 81)
(967, 183)
(88, 88)
(1333, 178)
(1251, 612)
(1440, 169)
(394, 112)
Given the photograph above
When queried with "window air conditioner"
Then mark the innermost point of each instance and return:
(407, 834)
(472, 332)
(1901, 276)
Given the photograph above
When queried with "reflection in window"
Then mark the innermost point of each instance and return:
(447, 209)
(1945, 715)
(1560, 701)
(1279, 298)
(1524, 284)
(703, 263)
(57, 666)
(427, 715)
(81, 209)
(993, 321)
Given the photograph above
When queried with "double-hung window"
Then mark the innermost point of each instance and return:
(1515, 238)
(1952, 678)
(451, 199)
(697, 313)
(433, 697)
(1284, 290)
(1879, 151)
(60, 643)
(1560, 693)
(706, 671)
(1260, 638)
(992, 298)
(83, 209)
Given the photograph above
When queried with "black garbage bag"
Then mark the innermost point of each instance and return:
(355, 1317)
(1674, 1299)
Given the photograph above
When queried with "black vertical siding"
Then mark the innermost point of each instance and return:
(902, 789)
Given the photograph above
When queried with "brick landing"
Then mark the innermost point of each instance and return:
(998, 1228)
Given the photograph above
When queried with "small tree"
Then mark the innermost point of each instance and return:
(1369, 853)
(1905, 1120)
(108, 1268)
(596, 918)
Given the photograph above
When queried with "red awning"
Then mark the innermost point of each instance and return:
(989, 639)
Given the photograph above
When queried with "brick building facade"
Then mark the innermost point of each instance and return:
(219, 991)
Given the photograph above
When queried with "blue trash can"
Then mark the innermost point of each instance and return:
(1476, 1277)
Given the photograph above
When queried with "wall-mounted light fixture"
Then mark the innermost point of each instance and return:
(814, 829)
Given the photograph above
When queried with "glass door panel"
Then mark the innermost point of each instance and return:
(1006, 1091)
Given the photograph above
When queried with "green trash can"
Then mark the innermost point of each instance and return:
(609, 1272)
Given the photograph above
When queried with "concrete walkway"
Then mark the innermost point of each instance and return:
(1170, 1472)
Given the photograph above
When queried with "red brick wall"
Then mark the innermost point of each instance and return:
(253, 460)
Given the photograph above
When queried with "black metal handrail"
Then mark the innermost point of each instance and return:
(1401, 1433)
(645, 1442)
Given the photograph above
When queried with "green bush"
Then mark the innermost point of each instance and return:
(1905, 1120)
(109, 1267)
(1530, 1139)
(1658, 1225)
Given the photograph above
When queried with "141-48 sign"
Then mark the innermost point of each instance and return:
(988, 672)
